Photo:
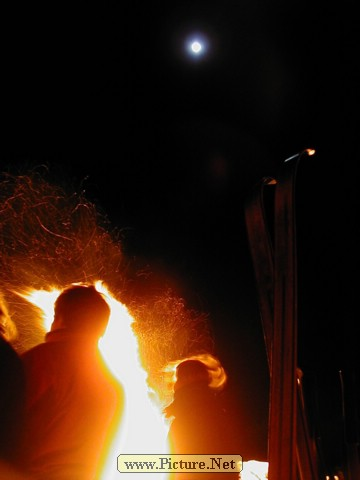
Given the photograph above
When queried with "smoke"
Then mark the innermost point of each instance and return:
(51, 236)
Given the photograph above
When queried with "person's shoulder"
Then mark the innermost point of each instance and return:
(34, 353)
(33, 350)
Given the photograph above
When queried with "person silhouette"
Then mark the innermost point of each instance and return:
(73, 403)
(12, 387)
(200, 421)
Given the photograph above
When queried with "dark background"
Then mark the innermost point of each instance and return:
(170, 147)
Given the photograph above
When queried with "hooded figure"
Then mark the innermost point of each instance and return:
(201, 424)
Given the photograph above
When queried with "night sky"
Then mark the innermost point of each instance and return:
(170, 145)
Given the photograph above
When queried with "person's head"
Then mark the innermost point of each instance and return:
(191, 371)
(81, 308)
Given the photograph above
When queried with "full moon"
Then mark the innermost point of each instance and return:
(196, 47)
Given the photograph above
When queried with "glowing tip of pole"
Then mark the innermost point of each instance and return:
(310, 151)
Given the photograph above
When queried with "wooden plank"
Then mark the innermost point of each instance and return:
(262, 253)
(283, 394)
(291, 450)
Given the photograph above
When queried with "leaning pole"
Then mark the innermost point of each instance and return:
(272, 243)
